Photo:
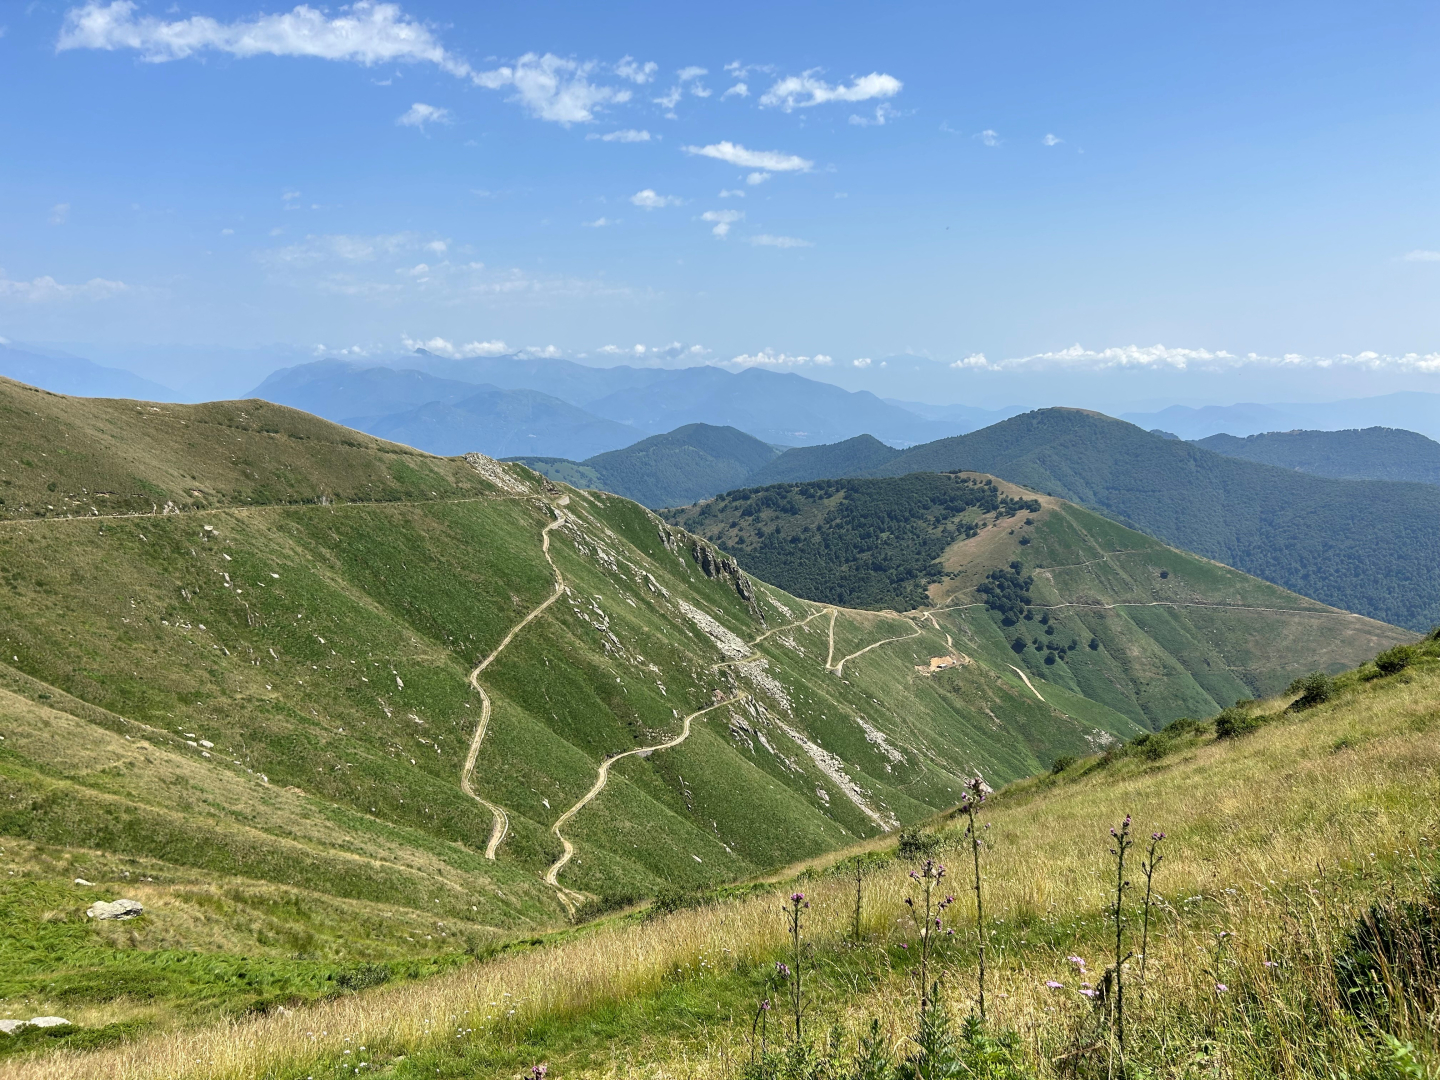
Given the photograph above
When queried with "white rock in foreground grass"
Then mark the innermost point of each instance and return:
(115, 909)
(13, 1027)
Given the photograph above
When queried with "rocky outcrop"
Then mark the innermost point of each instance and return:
(115, 909)
(714, 565)
(11, 1027)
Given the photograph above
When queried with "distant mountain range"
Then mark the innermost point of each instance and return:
(63, 374)
(1412, 410)
(1376, 453)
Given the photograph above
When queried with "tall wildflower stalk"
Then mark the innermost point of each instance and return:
(928, 920)
(1149, 865)
(793, 917)
(970, 802)
(1123, 843)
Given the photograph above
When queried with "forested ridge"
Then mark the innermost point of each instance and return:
(862, 543)
(1368, 546)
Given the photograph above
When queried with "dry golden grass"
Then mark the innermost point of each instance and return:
(1284, 834)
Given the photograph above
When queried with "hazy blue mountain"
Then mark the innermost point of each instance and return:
(342, 391)
(1409, 409)
(853, 457)
(64, 374)
(501, 423)
(776, 407)
(1376, 453)
(1368, 546)
(690, 463)
(971, 417)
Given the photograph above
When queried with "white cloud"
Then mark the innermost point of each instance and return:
(636, 73)
(366, 33)
(757, 178)
(802, 91)
(735, 154)
(738, 90)
(685, 74)
(440, 347)
(548, 352)
(1164, 358)
(883, 115)
(669, 99)
(227, 232)
(1422, 256)
(988, 137)
(42, 290)
(59, 213)
(770, 358)
(344, 248)
(599, 223)
(651, 201)
(420, 114)
(655, 353)
(289, 196)
(722, 219)
(863, 362)
(553, 88)
(732, 193)
(766, 240)
(1052, 140)
(437, 246)
(628, 135)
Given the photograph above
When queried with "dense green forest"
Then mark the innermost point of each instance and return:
(1368, 546)
(862, 543)
(1376, 453)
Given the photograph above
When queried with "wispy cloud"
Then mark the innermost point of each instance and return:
(59, 213)
(722, 219)
(639, 74)
(649, 200)
(1165, 358)
(600, 223)
(553, 88)
(732, 193)
(803, 91)
(367, 32)
(420, 114)
(770, 358)
(628, 135)
(440, 347)
(738, 90)
(768, 160)
(766, 240)
(654, 354)
(1052, 140)
(883, 114)
(1419, 255)
(43, 290)
(989, 137)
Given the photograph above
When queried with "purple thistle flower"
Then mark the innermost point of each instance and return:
(765, 1005)
(1221, 988)
(782, 968)
(1157, 836)
(1271, 964)
(903, 945)
(537, 1072)
(1088, 993)
(795, 898)
(1053, 985)
(1078, 961)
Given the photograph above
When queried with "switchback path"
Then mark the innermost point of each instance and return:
(501, 825)
(1028, 683)
(839, 668)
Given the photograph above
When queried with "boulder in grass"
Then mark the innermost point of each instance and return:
(10, 1027)
(14, 1027)
(48, 1021)
(115, 909)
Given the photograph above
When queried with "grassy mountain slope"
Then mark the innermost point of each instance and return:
(1365, 546)
(852, 457)
(1112, 615)
(1278, 846)
(689, 463)
(236, 657)
(1376, 453)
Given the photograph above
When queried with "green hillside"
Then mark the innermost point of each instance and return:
(689, 463)
(245, 656)
(1104, 612)
(853, 457)
(1289, 933)
(1376, 453)
(1367, 546)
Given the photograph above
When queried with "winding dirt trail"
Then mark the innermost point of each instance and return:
(1028, 683)
(603, 777)
(552, 875)
(501, 826)
(839, 668)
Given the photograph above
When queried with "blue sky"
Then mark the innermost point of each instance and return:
(1100, 202)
